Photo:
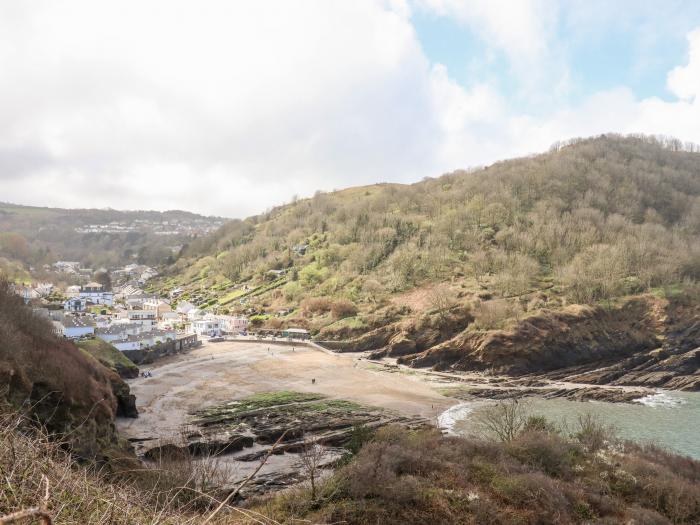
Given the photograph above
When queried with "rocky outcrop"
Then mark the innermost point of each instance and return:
(646, 341)
(408, 336)
(246, 430)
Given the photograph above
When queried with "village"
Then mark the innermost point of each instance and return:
(116, 308)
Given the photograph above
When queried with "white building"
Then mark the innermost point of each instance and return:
(146, 318)
(169, 320)
(95, 294)
(184, 307)
(209, 326)
(67, 266)
(144, 340)
(118, 331)
(44, 289)
(74, 327)
(195, 314)
(73, 291)
(159, 306)
(75, 304)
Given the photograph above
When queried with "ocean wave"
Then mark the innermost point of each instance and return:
(449, 418)
(661, 400)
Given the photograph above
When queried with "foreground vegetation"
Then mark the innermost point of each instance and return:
(588, 222)
(538, 476)
(530, 474)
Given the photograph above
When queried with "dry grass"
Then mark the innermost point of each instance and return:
(31, 461)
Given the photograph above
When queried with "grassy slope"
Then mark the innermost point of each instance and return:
(109, 356)
(589, 223)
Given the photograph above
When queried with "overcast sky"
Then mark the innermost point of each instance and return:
(230, 107)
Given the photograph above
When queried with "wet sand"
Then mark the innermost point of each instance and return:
(225, 371)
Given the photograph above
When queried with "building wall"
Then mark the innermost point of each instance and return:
(75, 332)
(149, 355)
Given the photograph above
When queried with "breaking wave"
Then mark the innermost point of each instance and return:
(452, 415)
(661, 400)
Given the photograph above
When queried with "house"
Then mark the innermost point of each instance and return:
(75, 304)
(169, 320)
(136, 301)
(67, 266)
(94, 293)
(44, 289)
(184, 307)
(146, 318)
(147, 274)
(195, 314)
(129, 290)
(73, 291)
(118, 331)
(144, 340)
(229, 324)
(208, 326)
(75, 327)
(159, 306)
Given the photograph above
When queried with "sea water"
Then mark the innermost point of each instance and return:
(669, 419)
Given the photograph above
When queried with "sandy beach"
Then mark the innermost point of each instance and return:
(225, 371)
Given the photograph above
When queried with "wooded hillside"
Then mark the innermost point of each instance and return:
(588, 221)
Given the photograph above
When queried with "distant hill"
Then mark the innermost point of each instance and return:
(33, 236)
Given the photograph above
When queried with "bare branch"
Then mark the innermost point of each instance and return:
(245, 481)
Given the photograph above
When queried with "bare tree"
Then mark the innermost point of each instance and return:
(504, 420)
(312, 457)
(441, 299)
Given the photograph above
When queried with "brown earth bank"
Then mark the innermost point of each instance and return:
(644, 340)
(68, 392)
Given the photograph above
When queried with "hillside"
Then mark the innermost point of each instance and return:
(33, 236)
(587, 222)
(53, 382)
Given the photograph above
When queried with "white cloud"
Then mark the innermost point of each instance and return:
(229, 108)
(223, 107)
(522, 29)
(684, 81)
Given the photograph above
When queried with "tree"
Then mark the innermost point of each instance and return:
(312, 457)
(103, 277)
(504, 420)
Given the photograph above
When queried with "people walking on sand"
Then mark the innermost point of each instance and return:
(313, 381)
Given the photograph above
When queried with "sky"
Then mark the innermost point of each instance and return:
(228, 107)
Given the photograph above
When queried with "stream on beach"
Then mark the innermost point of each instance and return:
(670, 419)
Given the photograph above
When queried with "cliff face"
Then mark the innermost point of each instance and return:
(644, 341)
(551, 340)
(53, 382)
